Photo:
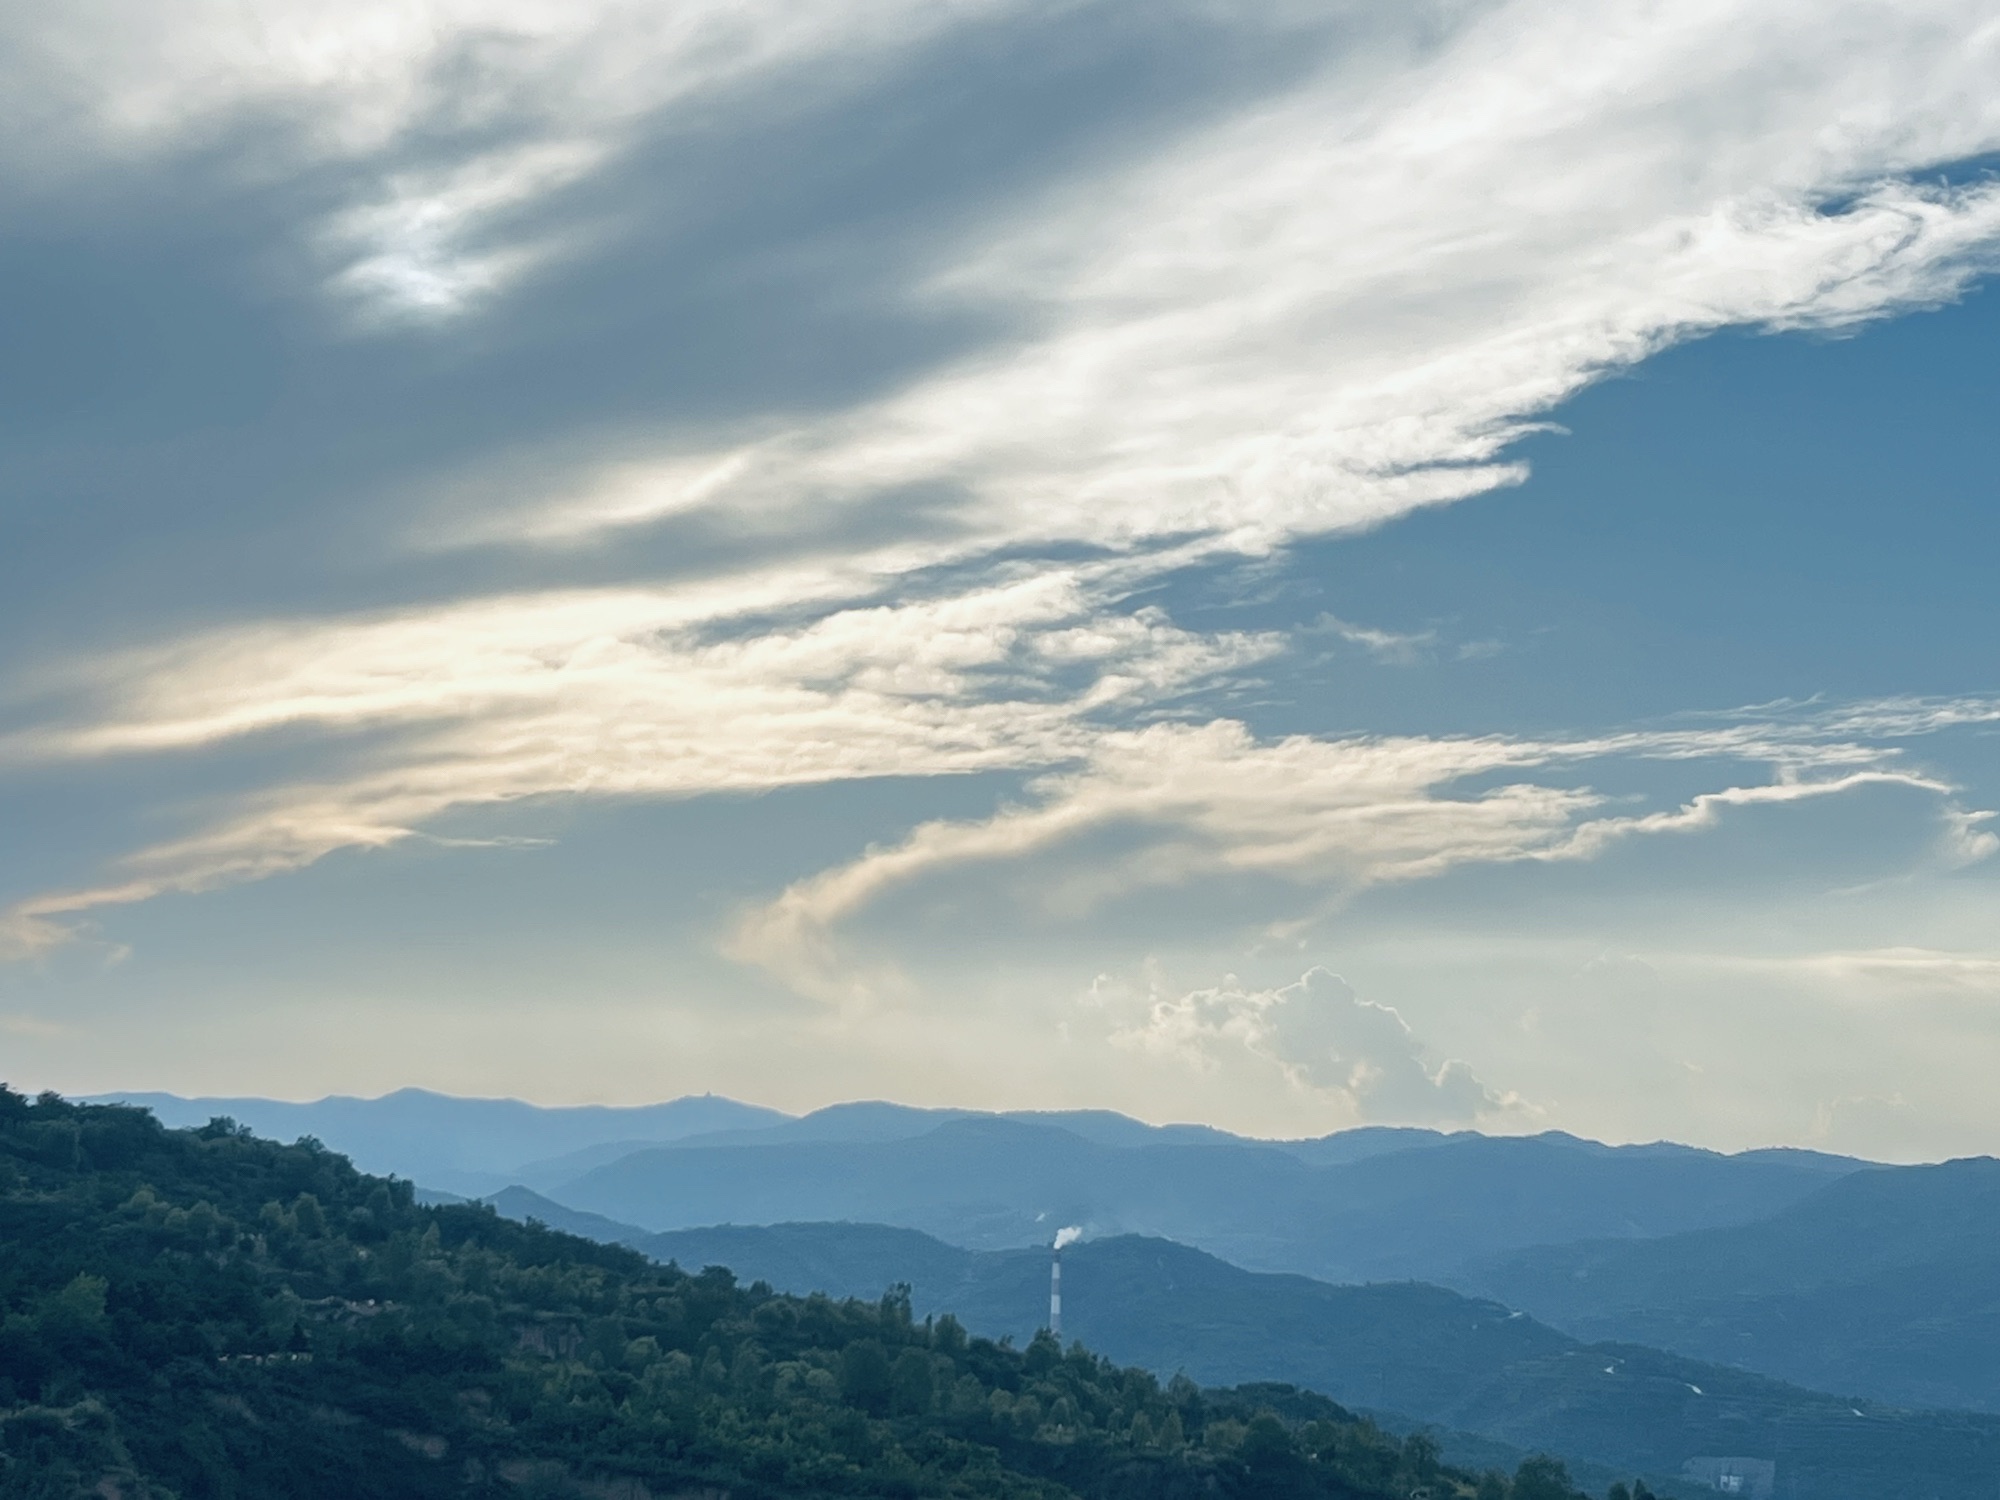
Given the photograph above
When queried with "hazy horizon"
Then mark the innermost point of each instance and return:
(140, 1095)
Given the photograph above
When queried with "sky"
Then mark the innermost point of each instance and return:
(1290, 566)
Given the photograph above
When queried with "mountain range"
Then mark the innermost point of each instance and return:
(464, 1146)
(1354, 1206)
(1885, 1283)
(1415, 1211)
(1825, 1272)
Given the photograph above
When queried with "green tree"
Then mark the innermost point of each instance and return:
(866, 1380)
(1543, 1478)
(911, 1384)
(79, 1305)
(311, 1218)
(948, 1335)
(1265, 1439)
(1421, 1456)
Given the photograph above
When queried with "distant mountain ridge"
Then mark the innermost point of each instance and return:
(465, 1146)
(1414, 1208)
(1376, 1202)
(1885, 1283)
(873, 1120)
(870, 1122)
(472, 1147)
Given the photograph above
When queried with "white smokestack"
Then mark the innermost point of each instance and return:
(1055, 1294)
(1063, 1237)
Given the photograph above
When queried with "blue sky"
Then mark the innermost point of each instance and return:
(1287, 567)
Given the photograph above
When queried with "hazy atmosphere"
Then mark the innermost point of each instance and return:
(1282, 566)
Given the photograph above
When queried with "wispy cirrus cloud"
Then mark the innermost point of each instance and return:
(607, 694)
(1327, 816)
(1344, 304)
(1306, 308)
(1900, 971)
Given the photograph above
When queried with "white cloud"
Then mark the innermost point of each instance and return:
(1965, 840)
(415, 251)
(1397, 648)
(1899, 971)
(1333, 305)
(679, 693)
(1329, 816)
(23, 936)
(447, 113)
(1308, 315)
(1342, 304)
(608, 694)
(1324, 1038)
(30, 1026)
(1206, 800)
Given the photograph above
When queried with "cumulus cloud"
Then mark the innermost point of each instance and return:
(1326, 1039)
(1965, 839)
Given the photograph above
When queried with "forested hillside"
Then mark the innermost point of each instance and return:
(1402, 1349)
(206, 1314)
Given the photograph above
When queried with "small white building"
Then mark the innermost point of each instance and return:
(1751, 1478)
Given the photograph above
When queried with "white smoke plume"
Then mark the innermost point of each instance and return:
(1067, 1237)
